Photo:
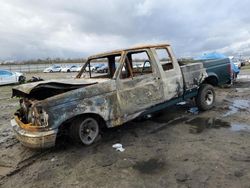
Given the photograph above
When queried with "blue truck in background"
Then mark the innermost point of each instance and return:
(221, 71)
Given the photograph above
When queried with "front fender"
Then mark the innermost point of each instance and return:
(105, 106)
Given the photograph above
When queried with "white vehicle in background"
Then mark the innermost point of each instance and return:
(71, 68)
(78, 68)
(53, 68)
(7, 77)
(91, 68)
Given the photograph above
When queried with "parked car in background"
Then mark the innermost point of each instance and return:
(78, 68)
(75, 68)
(91, 68)
(53, 68)
(138, 65)
(98, 65)
(70, 68)
(7, 77)
(103, 69)
(218, 67)
(220, 71)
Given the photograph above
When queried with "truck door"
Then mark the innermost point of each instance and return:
(139, 85)
(171, 73)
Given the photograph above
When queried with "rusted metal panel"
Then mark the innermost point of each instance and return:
(34, 139)
(127, 49)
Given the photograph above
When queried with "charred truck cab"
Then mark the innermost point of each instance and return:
(138, 81)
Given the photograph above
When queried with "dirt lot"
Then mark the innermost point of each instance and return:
(178, 148)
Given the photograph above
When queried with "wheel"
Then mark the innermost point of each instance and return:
(68, 70)
(51, 71)
(206, 97)
(85, 130)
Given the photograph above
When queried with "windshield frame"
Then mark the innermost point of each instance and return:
(108, 56)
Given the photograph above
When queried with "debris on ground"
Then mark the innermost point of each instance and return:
(118, 147)
(194, 110)
(35, 79)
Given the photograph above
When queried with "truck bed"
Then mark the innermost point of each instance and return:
(193, 75)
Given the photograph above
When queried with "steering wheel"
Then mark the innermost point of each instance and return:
(143, 67)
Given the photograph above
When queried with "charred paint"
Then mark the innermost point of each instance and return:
(115, 100)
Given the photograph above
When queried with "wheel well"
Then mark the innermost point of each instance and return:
(63, 128)
(211, 80)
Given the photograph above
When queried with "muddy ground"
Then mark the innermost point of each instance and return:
(177, 148)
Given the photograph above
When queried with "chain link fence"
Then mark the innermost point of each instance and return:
(30, 67)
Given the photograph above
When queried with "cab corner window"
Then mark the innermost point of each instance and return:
(164, 58)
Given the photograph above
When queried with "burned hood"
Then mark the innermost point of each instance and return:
(45, 89)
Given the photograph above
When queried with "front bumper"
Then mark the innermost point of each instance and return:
(34, 138)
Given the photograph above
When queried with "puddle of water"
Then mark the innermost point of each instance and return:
(240, 127)
(150, 166)
(243, 77)
(237, 106)
(242, 90)
(199, 124)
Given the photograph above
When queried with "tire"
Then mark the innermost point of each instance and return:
(206, 97)
(85, 130)
(51, 71)
(68, 70)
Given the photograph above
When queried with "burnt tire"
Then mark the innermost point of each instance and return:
(85, 130)
(206, 97)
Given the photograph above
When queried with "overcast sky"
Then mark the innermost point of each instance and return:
(77, 28)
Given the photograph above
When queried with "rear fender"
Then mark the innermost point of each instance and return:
(212, 79)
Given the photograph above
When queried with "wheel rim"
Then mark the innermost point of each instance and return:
(209, 98)
(88, 131)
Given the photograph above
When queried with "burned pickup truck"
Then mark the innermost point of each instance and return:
(139, 81)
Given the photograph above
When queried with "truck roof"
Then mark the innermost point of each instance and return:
(127, 49)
